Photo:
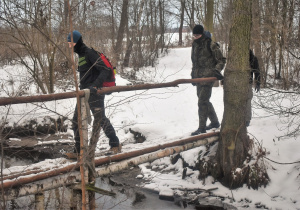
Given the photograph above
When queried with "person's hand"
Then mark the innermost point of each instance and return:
(257, 87)
(93, 90)
(218, 75)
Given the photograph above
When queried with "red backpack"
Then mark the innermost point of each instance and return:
(111, 81)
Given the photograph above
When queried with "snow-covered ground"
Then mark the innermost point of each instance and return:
(168, 114)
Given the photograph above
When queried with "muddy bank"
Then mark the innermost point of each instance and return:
(38, 148)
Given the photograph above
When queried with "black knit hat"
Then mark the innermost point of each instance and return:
(198, 29)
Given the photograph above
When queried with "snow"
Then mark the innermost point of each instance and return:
(168, 114)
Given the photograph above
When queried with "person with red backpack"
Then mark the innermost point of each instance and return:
(94, 73)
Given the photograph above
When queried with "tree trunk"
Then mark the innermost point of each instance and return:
(181, 22)
(209, 23)
(193, 14)
(256, 39)
(112, 23)
(233, 146)
(118, 46)
(282, 35)
(209, 17)
(273, 33)
(161, 23)
(128, 52)
(299, 30)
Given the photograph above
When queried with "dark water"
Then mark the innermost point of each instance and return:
(125, 199)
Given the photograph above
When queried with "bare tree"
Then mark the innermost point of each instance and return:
(181, 21)
(30, 33)
(209, 17)
(124, 17)
(190, 12)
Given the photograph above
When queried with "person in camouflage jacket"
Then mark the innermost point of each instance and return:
(208, 61)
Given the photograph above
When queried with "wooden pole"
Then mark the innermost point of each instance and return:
(58, 96)
(78, 110)
(84, 142)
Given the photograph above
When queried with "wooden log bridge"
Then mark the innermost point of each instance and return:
(58, 96)
(68, 175)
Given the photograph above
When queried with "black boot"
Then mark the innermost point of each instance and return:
(198, 131)
(212, 125)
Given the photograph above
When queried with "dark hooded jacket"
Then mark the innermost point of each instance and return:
(92, 70)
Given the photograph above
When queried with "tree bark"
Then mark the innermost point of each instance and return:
(161, 24)
(209, 17)
(181, 22)
(233, 146)
(118, 46)
(298, 30)
(256, 39)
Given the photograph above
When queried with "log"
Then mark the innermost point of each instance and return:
(58, 96)
(100, 161)
(74, 176)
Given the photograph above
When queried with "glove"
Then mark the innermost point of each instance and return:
(257, 87)
(93, 90)
(218, 75)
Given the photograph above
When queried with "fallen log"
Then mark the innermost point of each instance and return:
(99, 161)
(58, 96)
(74, 176)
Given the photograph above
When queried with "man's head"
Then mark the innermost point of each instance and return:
(198, 31)
(76, 37)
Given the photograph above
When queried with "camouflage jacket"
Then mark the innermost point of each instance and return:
(206, 57)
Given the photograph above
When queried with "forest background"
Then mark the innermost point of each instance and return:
(134, 34)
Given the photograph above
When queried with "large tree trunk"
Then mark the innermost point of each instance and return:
(233, 145)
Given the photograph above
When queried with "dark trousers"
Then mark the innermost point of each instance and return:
(96, 103)
(205, 107)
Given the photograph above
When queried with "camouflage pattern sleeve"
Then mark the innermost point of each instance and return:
(193, 70)
(218, 56)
